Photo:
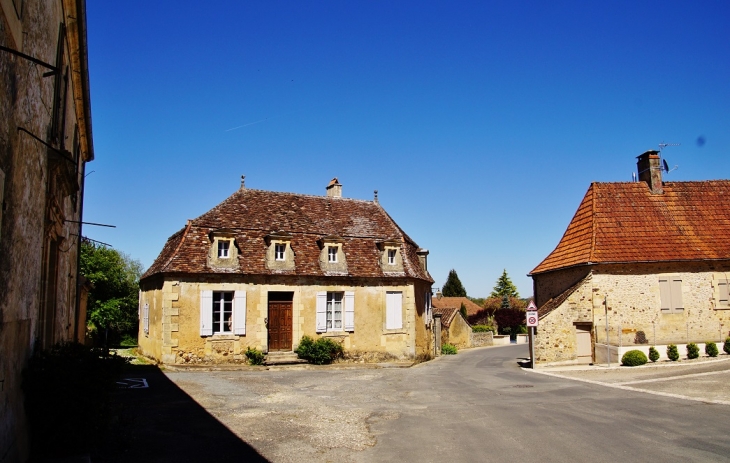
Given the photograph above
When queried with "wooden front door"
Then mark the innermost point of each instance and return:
(280, 320)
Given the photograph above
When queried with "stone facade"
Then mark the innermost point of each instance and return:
(633, 297)
(45, 141)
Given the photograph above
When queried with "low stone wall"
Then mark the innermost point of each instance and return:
(617, 352)
(482, 339)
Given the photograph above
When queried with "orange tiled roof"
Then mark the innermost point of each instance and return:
(447, 315)
(455, 302)
(624, 222)
(253, 214)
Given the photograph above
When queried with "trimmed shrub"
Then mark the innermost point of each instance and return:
(483, 328)
(68, 398)
(692, 351)
(726, 346)
(672, 352)
(633, 358)
(653, 354)
(254, 356)
(319, 352)
(449, 349)
(711, 349)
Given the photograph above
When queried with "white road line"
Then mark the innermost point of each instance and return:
(635, 389)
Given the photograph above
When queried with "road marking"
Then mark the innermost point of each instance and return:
(636, 389)
(692, 375)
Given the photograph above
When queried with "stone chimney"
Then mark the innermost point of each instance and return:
(243, 182)
(650, 171)
(334, 189)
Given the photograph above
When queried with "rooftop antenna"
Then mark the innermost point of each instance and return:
(665, 166)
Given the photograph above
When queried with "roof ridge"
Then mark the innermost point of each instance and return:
(340, 198)
(594, 225)
(182, 240)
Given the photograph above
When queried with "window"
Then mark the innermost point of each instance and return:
(146, 319)
(222, 312)
(393, 310)
(723, 295)
(335, 311)
(332, 254)
(223, 249)
(391, 256)
(670, 293)
(280, 248)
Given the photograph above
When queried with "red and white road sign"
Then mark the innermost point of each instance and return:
(531, 307)
(532, 318)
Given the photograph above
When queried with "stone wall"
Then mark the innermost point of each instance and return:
(174, 326)
(482, 339)
(41, 193)
(634, 304)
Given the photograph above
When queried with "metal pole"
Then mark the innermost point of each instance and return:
(532, 347)
(608, 348)
(654, 325)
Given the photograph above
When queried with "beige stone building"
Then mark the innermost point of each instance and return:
(455, 329)
(45, 141)
(262, 269)
(640, 263)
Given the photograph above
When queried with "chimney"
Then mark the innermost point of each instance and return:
(650, 171)
(243, 182)
(334, 189)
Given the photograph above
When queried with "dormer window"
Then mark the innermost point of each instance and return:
(280, 251)
(332, 254)
(224, 247)
(391, 256)
(332, 257)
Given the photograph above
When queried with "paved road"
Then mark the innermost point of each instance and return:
(475, 406)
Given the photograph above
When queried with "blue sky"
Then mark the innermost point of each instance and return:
(481, 124)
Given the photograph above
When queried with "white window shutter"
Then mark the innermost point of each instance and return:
(239, 312)
(393, 310)
(676, 288)
(146, 318)
(206, 313)
(321, 311)
(349, 311)
(665, 295)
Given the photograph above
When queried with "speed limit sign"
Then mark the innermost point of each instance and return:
(532, 318)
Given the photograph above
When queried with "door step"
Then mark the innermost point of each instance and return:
(282, 358)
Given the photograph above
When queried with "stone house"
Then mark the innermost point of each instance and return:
(45, 141)
(443, 302)
(454, 327)
(649, 259)
(263, 268)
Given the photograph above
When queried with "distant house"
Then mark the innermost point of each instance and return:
(45, 143)
(440, 301)
(454, 327)
(263, 268)
(652, 256)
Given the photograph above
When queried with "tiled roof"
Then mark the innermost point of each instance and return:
(455, 302)
(447, 315)
(250, 215)
(625, 223)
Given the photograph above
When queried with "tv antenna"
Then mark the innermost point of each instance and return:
(665, 166)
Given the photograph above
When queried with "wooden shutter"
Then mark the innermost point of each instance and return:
(321, 311)
(665, 294)
(676, 288)
(239, 312)
(393, 310)
(724, 294)
(349, 311)
(206, 313)
(146, 318)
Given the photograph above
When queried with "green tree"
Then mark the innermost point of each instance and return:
(453, 286)
(463, 311)
(113, 299)
(504, 287)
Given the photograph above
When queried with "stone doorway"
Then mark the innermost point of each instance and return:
(280, 321)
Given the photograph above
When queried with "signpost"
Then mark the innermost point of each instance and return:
(532, 321)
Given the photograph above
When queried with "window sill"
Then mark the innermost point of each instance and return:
(224, 337)
(397, 331)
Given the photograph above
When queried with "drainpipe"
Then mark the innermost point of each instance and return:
(608, 347)
(78, 251)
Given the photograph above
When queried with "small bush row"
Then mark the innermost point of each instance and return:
(636, 357)
(483, 328)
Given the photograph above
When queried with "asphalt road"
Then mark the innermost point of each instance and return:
(478, 405)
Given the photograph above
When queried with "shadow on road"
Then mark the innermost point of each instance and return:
(161, 423)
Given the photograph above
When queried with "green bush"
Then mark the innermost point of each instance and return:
(653, 354)
(319, 352)
(672, 352)
(711, 349)
(128, 341)
(68, 398)
(254, 356)
(633, 358)
(726, 346)
(692, 351)
(449, 349)
(483, 328)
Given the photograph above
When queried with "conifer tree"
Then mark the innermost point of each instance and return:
(463, 311)
(453, 286)
(504, 287)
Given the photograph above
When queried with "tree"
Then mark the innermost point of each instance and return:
(113, 299)
(504, 287)
(463, 311)
(453, 286)
(509, 320)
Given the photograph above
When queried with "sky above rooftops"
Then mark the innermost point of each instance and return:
(481, 124)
